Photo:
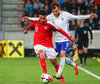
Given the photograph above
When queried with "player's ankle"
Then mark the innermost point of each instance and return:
(57, 75)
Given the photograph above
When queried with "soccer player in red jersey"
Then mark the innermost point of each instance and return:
(43, 40)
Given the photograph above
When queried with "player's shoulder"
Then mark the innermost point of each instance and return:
(49, 22)
(50, 16)
(64, 12)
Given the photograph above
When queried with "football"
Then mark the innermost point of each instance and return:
(45, 77)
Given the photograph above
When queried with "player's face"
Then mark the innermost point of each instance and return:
(79, 22)
(42, 19)
(56, 11)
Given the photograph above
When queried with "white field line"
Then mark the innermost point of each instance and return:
(88, 72)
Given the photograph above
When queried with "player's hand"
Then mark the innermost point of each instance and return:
(73, 40)
(93, 15)
(25, 19)
(25, 32)
(91, 41)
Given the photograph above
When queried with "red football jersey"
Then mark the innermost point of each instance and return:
(44, 33)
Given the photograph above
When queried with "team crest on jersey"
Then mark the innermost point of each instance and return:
(45, 27)
(62, 19)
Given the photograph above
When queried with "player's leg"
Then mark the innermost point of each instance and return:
(80, 47)
(81, 56)
(42, 60)
(74, 64)
(62, 53)
(85, 55)
(69, 61)
(39, 50)
(85, 51)
(62, 62)
(55, 64)
(51, 54)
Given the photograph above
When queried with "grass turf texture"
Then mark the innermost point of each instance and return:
(28, 71)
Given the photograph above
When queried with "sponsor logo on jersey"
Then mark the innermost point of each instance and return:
(45, 27)
(62, 19)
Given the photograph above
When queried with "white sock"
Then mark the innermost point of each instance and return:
(61, 66)
(70, 62)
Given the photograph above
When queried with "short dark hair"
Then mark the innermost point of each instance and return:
(42, 12)
(54, 5)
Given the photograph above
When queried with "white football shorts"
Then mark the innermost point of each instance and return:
(50, 52)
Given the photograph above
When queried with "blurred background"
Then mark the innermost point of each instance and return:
(12, 28)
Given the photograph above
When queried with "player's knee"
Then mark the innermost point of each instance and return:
(85, 51)
(42, 55)
(63, 54)
(68, 61)
(80, 51)
(55, 64)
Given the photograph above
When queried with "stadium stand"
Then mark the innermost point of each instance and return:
(11, 12)
(1, 34)
(76, 7)
(0, 15)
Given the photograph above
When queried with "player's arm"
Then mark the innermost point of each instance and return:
(75, 36)
(56, 28)
(73, 17)
(27, 19)
(30, 26)
(65, 34)
(91, 34)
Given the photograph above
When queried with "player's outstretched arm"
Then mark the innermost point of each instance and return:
(25, 31)
(80, 17)
(31, 25)
(27, 19)
(65, 34)
(93, 15)
(73, 40)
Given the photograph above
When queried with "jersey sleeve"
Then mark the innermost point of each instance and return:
(49, 17)
(31, 25)
(53, 25)
(74, 17)
(76, 34)
(56, 28)
(32, 18)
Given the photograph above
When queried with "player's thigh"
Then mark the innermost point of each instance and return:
(65, 46)
(51, 53)
(85, 50)
(85, 46)
(80, 47)
(58, 47)
(54, 62)
(38, 49)
(63, 53)
(80, 51)
(86, 43)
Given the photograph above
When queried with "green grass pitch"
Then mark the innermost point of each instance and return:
(28, 71)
